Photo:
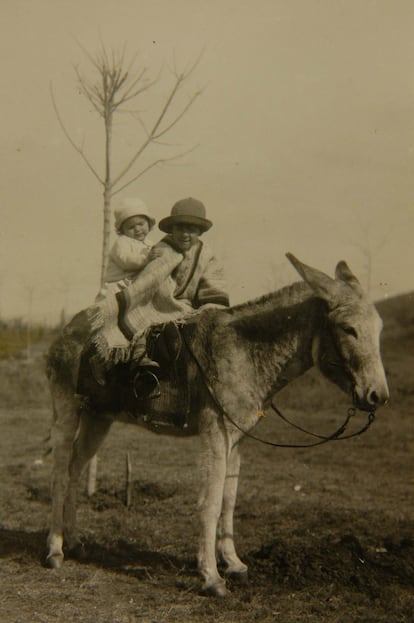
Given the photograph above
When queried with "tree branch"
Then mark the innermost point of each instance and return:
(91, 92)
(186, 74)
(180, 116)
(134, 82)
(71, 141)
(144, 88)
(153, 131)
(141, 122)
(151, 166)
(93, 60)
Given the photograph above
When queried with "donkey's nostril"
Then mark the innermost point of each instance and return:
(373, 397)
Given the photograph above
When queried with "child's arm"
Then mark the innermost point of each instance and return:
(129, 255)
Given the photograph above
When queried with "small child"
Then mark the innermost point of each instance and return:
(128, 256)
(130, 252)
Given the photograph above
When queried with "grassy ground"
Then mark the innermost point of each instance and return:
(327, 532)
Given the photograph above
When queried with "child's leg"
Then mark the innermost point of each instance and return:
(98, 369)
(142, 368)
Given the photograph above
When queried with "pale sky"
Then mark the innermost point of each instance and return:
(305, 134)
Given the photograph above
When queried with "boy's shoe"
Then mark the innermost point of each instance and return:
(146, 362)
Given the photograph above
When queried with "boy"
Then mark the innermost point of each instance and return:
(183, 278)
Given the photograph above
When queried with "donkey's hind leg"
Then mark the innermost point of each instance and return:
(92, 431)
(236, 569)
(65, 425)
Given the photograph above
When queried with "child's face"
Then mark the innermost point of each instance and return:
(185, 236)
(136, 227)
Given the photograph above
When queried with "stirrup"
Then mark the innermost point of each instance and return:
(150, 383)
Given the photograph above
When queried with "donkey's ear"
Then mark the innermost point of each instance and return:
(323, 285)
(344, 273)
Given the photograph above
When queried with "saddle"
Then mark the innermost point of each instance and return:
(169, 405)
(164, 345)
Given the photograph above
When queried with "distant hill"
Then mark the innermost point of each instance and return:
(398, 314)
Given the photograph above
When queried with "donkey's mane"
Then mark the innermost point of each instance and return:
(265, 317)
(285, 297)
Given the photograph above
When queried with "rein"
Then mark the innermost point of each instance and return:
(335, 436)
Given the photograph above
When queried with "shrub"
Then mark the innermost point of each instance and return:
(23, 382)
(15, 337)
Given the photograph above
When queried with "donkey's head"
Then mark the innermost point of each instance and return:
(347, 346)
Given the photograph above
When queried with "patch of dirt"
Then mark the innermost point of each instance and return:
(343, 561)
(141, 494)
(328, 533)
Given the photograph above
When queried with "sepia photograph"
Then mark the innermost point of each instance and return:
(207, 311)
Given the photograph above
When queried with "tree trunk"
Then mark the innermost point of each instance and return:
(93, 463)
(107, 194)
(106, 232)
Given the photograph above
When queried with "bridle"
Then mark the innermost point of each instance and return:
(337, 435)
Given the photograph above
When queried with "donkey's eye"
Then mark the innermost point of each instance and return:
(348, 330)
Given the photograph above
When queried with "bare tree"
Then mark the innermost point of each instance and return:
(114, 87)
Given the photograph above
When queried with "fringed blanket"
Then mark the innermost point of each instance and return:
(171, 287)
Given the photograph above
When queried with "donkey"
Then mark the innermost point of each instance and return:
(236, 359)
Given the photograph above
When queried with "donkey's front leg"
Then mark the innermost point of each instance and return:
(65, 425)
(213, 469)
(226, 548)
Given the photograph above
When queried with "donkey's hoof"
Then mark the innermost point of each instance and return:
(238, 577)
(218, 589)
(54, 561)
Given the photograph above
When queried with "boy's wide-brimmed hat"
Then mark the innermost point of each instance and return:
(129, 207)
(186, 211)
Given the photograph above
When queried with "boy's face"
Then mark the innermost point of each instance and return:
(185, 236)
(136, 227)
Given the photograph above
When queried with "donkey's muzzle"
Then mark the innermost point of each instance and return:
(371, 399)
